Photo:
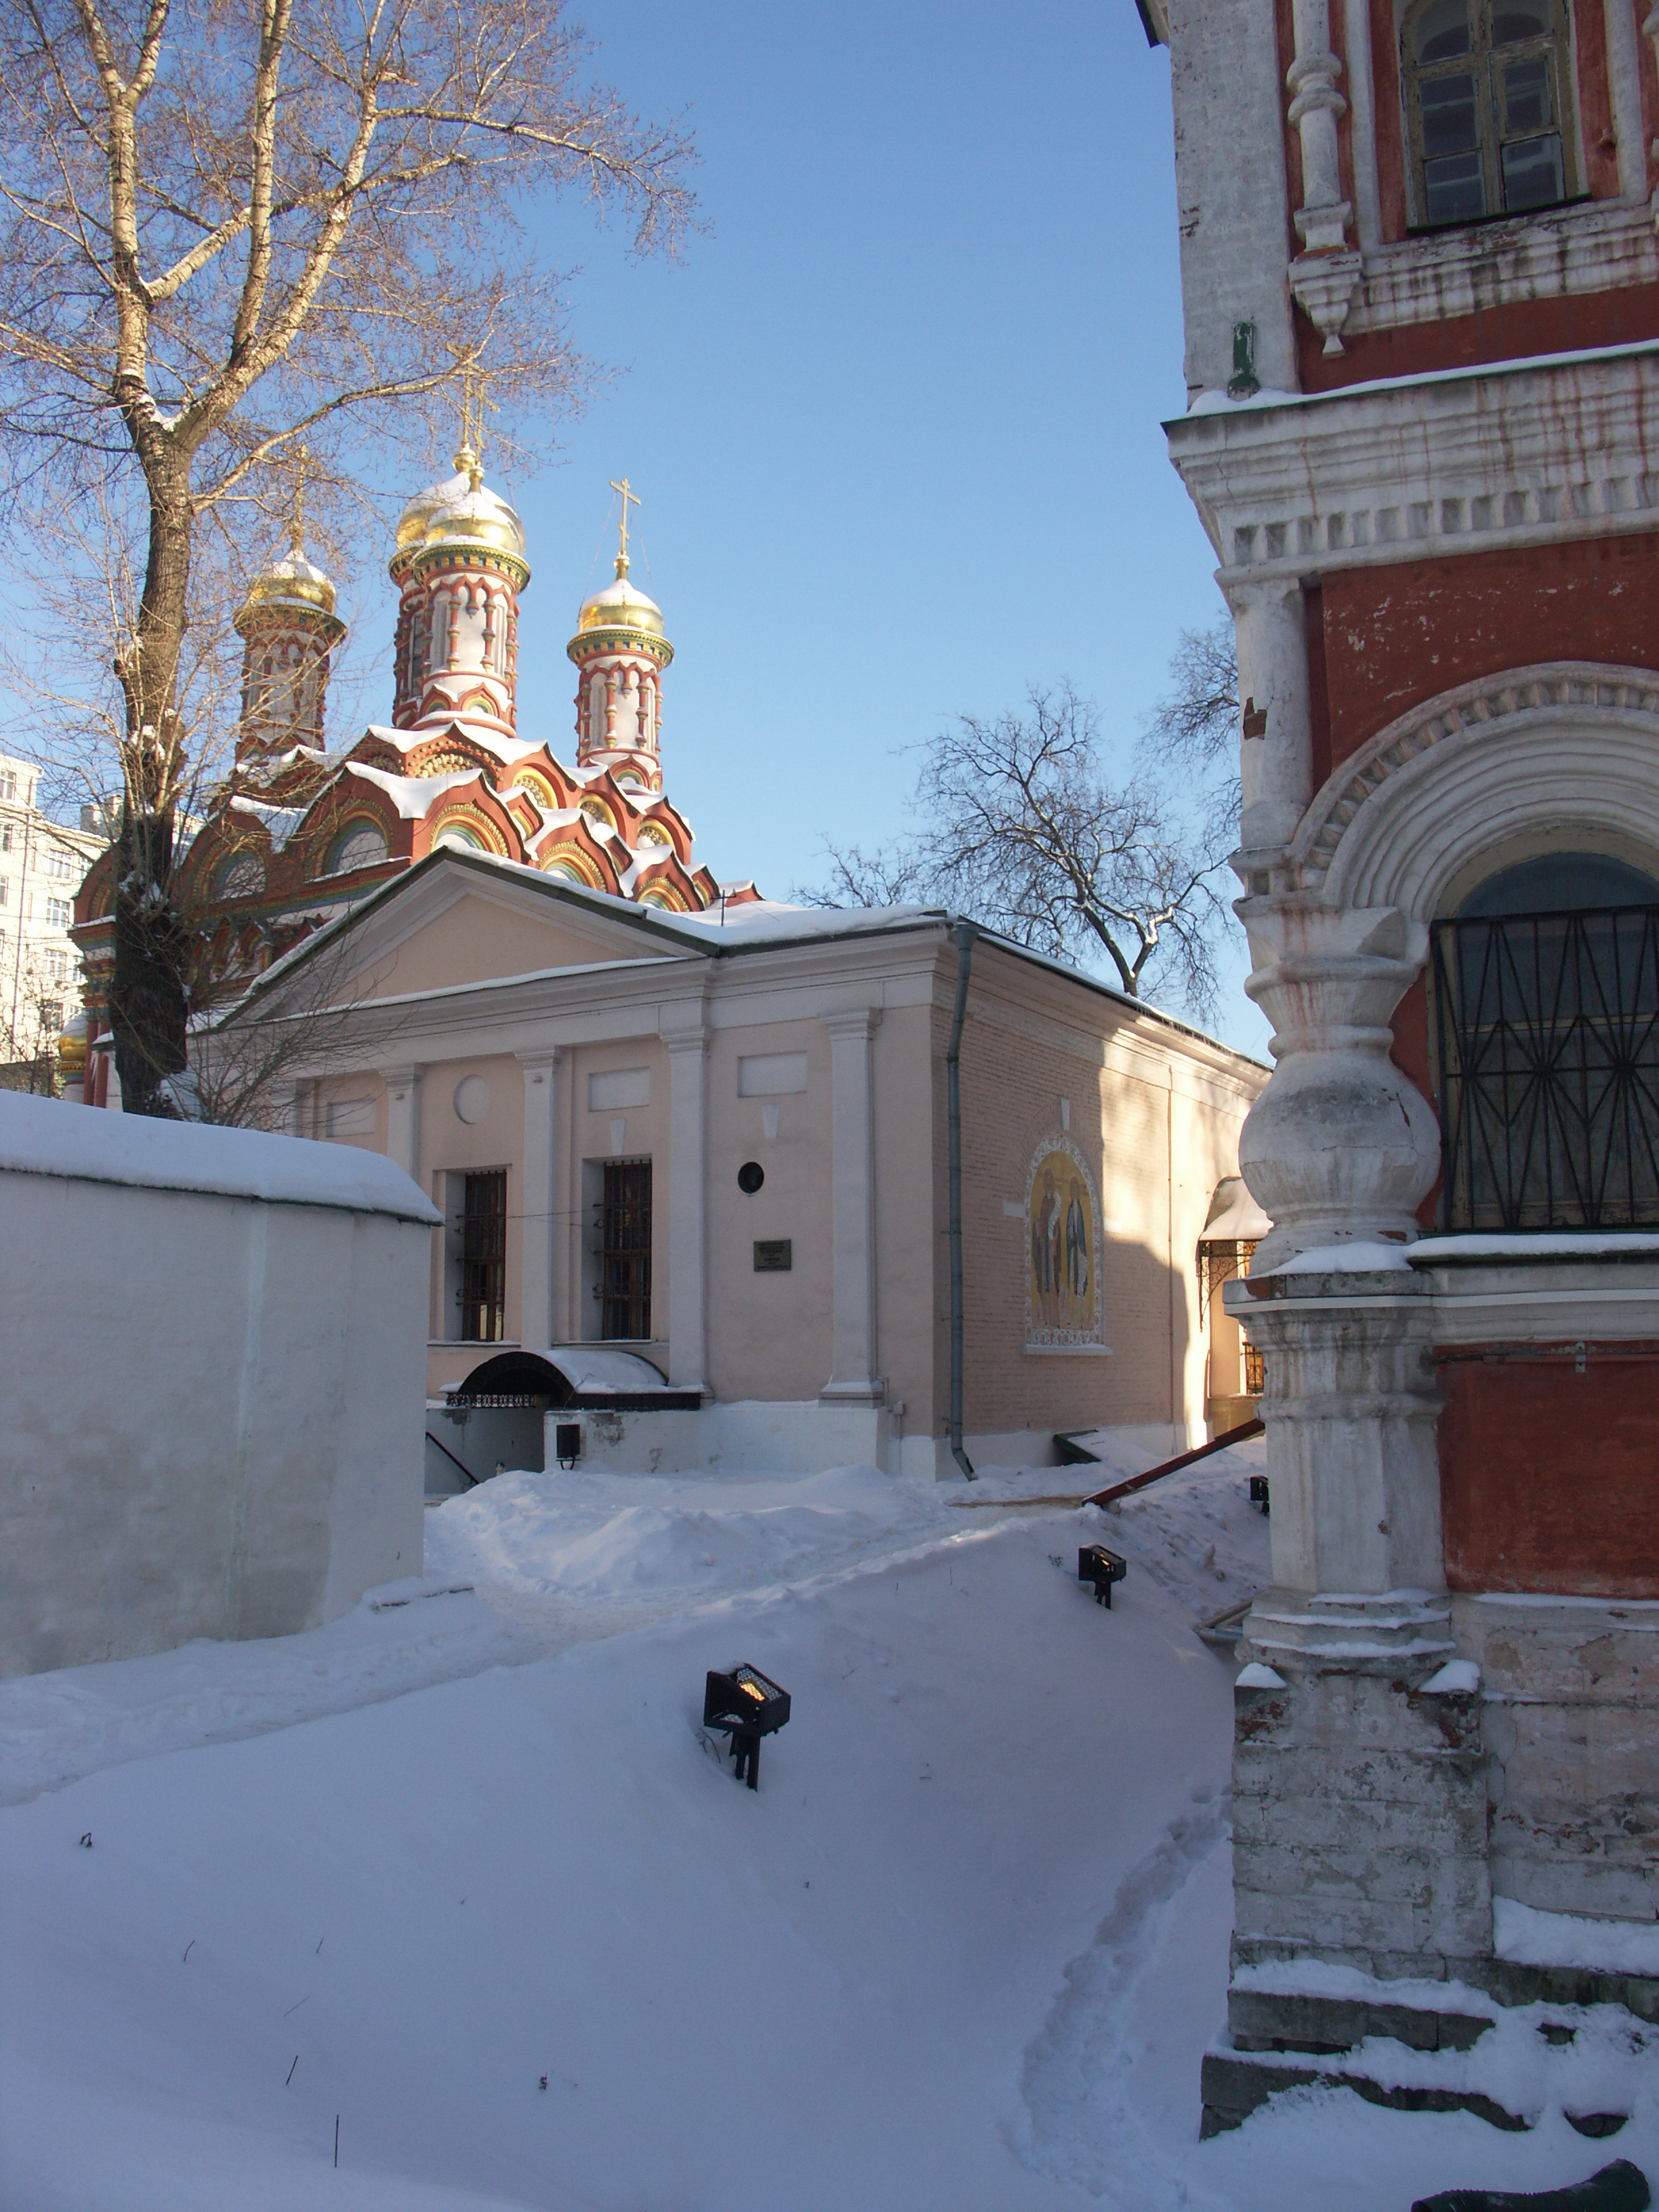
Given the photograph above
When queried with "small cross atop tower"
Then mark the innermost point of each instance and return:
(621, 549)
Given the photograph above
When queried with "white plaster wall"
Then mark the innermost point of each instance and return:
(211, 1415)
(1230, 188)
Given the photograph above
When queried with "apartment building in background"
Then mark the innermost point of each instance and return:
(42, 867)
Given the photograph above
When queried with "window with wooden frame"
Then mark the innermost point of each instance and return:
(1488, 106)
(624, 1284)
(483, 1258)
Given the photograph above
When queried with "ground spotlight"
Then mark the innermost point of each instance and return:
(743, 1706)
(1096, 1565)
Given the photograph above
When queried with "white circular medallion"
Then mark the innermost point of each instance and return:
(472, 1098)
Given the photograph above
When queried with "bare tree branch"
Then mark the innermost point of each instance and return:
(222, 229)
(1014, 824)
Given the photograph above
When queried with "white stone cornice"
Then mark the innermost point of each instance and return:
(1558, 254)
(1506, 455)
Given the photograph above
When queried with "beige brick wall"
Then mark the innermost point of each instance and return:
(1156, 1115)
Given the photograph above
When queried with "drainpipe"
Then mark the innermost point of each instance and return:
(963, 933)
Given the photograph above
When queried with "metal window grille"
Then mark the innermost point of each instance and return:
(625, 1250)
(483, 1258)
(1547, 1030)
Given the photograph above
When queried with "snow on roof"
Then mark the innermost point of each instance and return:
(1211, 401)
(595, 1367)
(45, 1137)
(280, 822)
(411, 794)
(760, 921)
(1234, 1217)
(507, 748)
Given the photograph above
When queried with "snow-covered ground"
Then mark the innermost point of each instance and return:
(461, 1871)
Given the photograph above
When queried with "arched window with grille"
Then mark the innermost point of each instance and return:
(1488, 108)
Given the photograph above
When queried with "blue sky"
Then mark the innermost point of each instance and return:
(895, 419)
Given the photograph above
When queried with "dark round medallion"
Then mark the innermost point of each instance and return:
(751, 1175)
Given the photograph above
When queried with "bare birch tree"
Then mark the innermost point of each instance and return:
(1017, 824)
(228, 227)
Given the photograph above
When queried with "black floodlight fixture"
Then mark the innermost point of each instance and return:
(743, 1706)
(1259, 1496)
(1096, 1565)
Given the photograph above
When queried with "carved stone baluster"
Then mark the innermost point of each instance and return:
(1326, 274)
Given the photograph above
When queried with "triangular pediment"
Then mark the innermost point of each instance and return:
(461, 918)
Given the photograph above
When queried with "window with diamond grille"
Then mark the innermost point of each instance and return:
(1547, 1037)
(624, 1283)
(483, 1258)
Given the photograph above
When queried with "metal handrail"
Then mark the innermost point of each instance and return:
(451, 1457)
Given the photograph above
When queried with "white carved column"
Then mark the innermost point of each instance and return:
(688, 1182)
(854, 1207)
(403, 1118)
(535, 1295)
(1341, 1147)
(1326, 274)
(1276, 746)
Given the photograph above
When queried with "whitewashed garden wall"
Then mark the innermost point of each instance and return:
(212, 1404)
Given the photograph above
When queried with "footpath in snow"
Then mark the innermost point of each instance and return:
(462, 1871)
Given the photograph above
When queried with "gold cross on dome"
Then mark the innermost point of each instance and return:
(296, 535)
(475, 382)
(627, 494)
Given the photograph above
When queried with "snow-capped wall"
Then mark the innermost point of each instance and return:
(216, 1344)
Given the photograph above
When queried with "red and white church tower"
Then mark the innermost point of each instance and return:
(1421, 289)
(620, 650)
(296, 829)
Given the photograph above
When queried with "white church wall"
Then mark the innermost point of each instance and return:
(238, 1452)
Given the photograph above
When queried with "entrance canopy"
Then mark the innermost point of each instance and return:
(573, 1377)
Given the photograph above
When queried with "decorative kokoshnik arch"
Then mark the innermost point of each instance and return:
(1501, 766)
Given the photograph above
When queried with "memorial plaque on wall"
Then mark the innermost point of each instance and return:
(774, 1256)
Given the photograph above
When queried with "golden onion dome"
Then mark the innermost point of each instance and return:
(620, 606)
(476, 516)
(413, 522)
(72, 1049)
(291, 581)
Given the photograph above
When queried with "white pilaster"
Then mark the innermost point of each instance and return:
(1356, 42)
(537, 1242)
(1276, 749)
(854, 1207)
(1326, 274)
(403, 1118)
(688, 1177)
(1624, 94)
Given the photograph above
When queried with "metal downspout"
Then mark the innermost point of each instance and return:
(963, 933)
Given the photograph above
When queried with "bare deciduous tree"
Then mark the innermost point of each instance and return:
(293, 1023)
(1017, 824)
(225, 229)
(1193, 731)
(1196, 724)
